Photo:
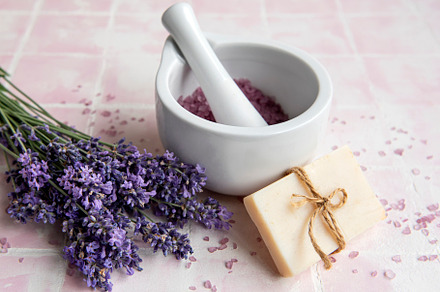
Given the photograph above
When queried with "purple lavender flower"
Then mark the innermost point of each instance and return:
(102, 193)
(117, 237)
(17, 137)
(33, 170)
(100, 248)
(164, 237)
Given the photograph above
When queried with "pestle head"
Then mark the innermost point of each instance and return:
(228, 103)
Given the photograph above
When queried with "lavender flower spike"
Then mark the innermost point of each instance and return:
(104, 194)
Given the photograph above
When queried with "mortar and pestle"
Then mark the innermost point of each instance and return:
(240, 152)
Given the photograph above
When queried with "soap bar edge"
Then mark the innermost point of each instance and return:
(279, 261)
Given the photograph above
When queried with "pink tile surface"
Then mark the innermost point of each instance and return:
(137, 126)
(76, 117)
(25, 273)
(125, 79)
(93, 65)
(351, 86)
(11, 31)
(433, 20)
(315, 34)
(376, 6)
(141, 6)
(417, 139)
(77, 6)
(390, 35)
(250, 25)
(136, 34)
(5, 61)
(354, 120)
(247, 7)
(12, 5)
(68, 34)
(350, 274)
(298, 6)
(428, 6)
(58, 79)
(417, 79)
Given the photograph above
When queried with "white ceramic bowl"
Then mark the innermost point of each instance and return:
(241, 160)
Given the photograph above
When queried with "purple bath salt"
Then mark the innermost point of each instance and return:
(271, 111)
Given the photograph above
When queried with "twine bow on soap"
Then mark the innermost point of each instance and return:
(324, 207)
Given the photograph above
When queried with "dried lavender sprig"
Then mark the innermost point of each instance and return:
(100, 191)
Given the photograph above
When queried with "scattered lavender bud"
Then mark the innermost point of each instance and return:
(222, 247)
(389, 274)
(207, 284)
(224, 240)
(212, 249)
(432, 207)
(396, 259)
(353, 254)
(406, 230)
(433, 257)
(229, 264)
(192, 259)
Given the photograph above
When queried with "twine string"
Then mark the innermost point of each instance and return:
(324, 206)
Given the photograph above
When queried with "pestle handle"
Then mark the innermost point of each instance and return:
(228, 103)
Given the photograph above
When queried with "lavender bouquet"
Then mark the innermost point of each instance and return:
(104, 194)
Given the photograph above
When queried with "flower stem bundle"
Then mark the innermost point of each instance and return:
(103, 194)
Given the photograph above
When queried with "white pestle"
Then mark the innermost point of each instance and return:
(228, 103)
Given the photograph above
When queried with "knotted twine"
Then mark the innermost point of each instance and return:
(324, 207)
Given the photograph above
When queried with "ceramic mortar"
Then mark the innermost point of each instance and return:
(241, 160)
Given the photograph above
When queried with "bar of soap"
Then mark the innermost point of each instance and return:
(284, 228)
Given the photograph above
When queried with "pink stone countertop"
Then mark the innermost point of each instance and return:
(93, 64)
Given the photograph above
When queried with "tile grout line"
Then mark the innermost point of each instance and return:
(98, 85)
(19, 51)
(422, 19)
(346, 28)
(33, 252)
(321, 55)
(358, 57)
(316, 278)
(264, 18)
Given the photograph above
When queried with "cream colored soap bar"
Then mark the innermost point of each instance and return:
(284, 228)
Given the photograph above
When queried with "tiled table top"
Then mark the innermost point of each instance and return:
(93, 64)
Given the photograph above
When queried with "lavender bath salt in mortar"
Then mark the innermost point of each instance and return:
(271, 111)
